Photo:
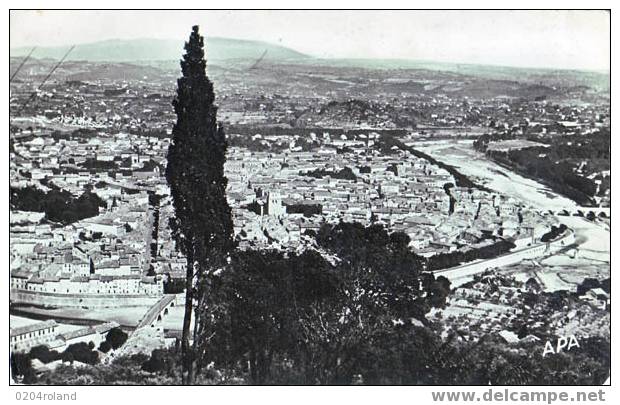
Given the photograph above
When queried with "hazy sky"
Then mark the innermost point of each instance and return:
(559, 39)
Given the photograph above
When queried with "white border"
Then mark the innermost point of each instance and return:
(285, 395)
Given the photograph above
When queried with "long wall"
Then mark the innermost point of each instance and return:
(461, 274)
(81, 300)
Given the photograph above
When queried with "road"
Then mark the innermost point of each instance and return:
(593, 238)
(460, 275)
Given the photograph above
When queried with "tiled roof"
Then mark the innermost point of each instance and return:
(33, 327)
(77, 333)
(104, 327)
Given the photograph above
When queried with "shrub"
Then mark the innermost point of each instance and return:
(81, 352)
(21, 366)
(105, 346)
(44, 354)
(116, 337)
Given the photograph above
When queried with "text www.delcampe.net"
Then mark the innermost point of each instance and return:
(518, 396)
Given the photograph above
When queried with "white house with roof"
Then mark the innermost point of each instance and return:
(24, 338)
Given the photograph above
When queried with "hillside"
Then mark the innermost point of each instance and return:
(165, 54)
(597, 80)
(135, 50)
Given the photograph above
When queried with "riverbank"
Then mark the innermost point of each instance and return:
(128, 318)
(592, 239)
(477, 166)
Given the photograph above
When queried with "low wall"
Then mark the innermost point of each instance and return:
(81, 300)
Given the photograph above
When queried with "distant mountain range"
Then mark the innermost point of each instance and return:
(139, 50)
(166, 53)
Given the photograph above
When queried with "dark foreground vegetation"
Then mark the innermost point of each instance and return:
(304, 319)
(400, 354)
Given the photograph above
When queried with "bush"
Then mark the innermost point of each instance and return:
(154, 365)
(553, 233)
(21, 366)
(105, 346)
(159, 361)
(588, 284)
(456, 258)
(81, 352)
(343, 174)
(44, 354)
(116, 337)
(67, 357)
(139, 358)
(306, 209)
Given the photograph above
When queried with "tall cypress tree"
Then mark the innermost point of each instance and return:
(202, 226)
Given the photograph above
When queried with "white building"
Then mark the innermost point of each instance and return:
(24, 338)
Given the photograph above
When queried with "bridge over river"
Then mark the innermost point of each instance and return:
(156, 312)
(149, 332)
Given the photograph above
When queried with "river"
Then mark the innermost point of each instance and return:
(475, 165)
(593, 238)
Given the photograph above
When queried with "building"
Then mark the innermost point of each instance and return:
(24, 338)
(274, 205)
(89, 334)
(597, 297)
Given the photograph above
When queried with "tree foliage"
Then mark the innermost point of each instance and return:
(202, 225)
(116, 338)
(555, 232)
(559, 163)
(301, 318)
(458, 257)
(58, 205)
(81, 352)
(21, 367)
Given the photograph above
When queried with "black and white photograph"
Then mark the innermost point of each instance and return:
(310, 198)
